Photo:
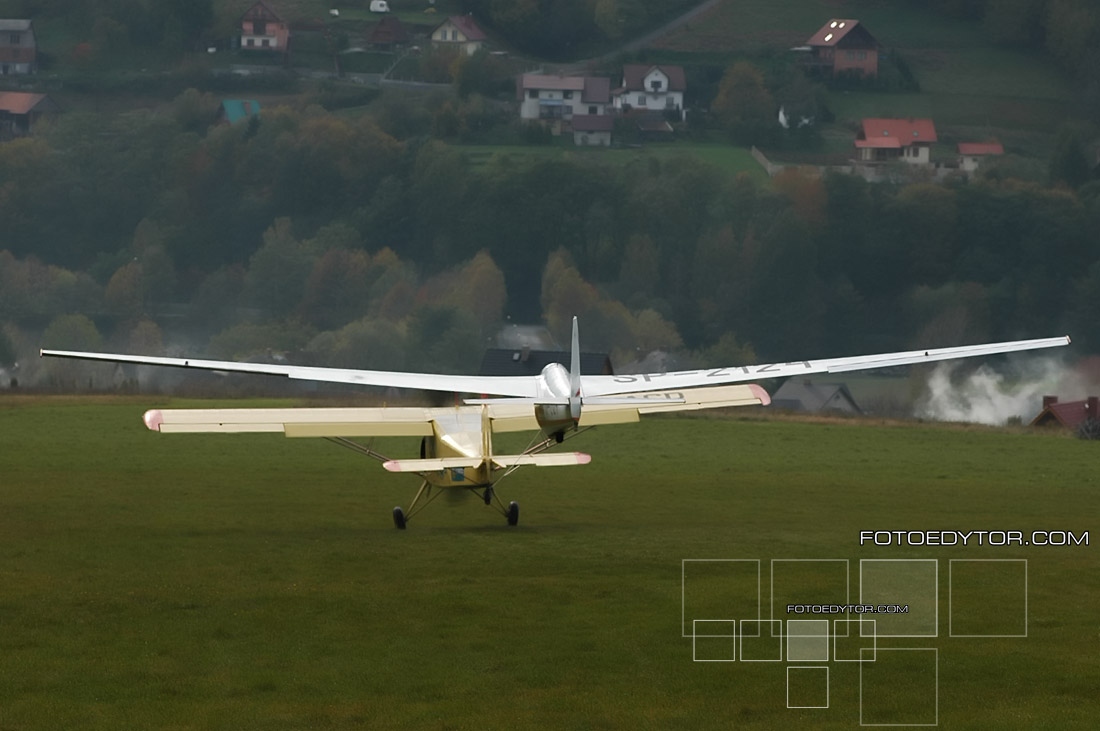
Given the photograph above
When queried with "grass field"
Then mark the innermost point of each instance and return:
(731, 160)
(256, 582)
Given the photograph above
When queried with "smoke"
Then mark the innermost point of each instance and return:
(985, 396)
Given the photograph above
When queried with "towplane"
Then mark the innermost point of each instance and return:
(456, 446)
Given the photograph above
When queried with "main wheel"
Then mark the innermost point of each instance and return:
(513, 513)
(487, 496)
(399, 518)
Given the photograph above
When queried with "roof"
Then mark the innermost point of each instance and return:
(236, 109)
(19, 102)
(549, 81)
(1067, 413)
(524, 362)
(261, 11)
(597, 90)
(981, 148)
(833, 32)
(388, 30)
(593, 123)
(8, 26)
(883, 132)
(634, 76)
(466, 24)
(804, 395)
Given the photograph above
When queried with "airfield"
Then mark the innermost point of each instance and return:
(257, 582)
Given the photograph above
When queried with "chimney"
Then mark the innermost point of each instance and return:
(1091, 404)
(1049, 401)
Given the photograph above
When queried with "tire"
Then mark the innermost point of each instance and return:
(399, 518)
(513, 513)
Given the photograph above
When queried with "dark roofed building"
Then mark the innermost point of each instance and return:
(657, 88)
(804, 395)
(1066, 414)
(589, 129)
(527, 362)
(844, 45)
(389, 32)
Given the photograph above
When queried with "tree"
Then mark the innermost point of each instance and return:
(1069, 166)
(744, 107)
(278, 270)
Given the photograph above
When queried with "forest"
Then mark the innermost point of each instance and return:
(343, 240)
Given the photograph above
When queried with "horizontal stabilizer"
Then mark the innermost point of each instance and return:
(431, 465)
(542, 460)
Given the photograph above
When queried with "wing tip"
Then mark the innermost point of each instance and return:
(153, 418)
(583, 458)
(759, 392)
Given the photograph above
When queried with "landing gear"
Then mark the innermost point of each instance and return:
(487, 496)
(399, 518)
(559, 437)
(513, 513)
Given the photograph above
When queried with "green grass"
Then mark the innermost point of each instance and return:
(731, 160)
(212, 581)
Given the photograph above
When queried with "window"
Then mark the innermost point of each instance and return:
(250, 42)
(641, 100)
(259, 27)
(567, 94)
(454, 35)
(265, 43)
(593, 110)
(16, 39)
(655, 85)
(532, 93)
(862, 55)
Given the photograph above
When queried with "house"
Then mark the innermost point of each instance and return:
(553, 99)
(524, 361)
(460, 32)
(234, 110)
(389, 33)
(843, 46)
(805, 395)
(18, 50)
(653, 88)
(590, 129)
(884, 140)
(263, 30)
(20, 112)
(971, 154)
(1067, 414)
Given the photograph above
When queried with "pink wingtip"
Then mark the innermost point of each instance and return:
(392, 465)
(583, 458)
(153, 419)
(760, 393)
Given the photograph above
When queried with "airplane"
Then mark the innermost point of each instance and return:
(456, 446)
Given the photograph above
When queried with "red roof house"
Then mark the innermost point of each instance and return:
(972, 153)
(883, 140)
(1067, 414)
(844, 45)
(20, 112)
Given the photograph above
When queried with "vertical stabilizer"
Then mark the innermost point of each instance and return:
(575, 374)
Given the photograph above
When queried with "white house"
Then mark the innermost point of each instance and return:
(971, 154)
(884, 140)
(18, 50)
(551, 98)
(589, 130)
(652, 88)
(459, 31)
